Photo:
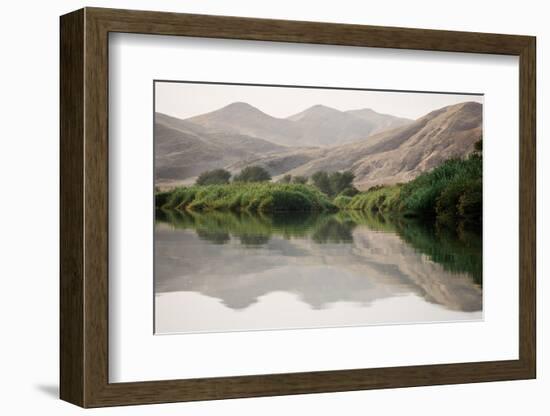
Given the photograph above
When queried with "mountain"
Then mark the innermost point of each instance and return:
(184, 150)
(380, 121)
(242, 118)
(397, 155)
(325, 126)
(317, 126)
(402, 154)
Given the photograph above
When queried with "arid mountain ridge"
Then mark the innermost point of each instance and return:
(319, 125)
(378, 148)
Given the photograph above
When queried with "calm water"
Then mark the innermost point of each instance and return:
(231, 272)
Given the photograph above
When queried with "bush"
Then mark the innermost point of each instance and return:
(213, 177)
(285, 200)
(422, 201)
(342, 201)
(253, 174)
(179, 197)
(253, 197)
(436, 192)
(340, 181)
(334, 183)
(379, 199)
(470, 204)
(450, 193)
(321, 181)
(350, 191)
(446, 208)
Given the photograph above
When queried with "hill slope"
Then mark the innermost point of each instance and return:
(184, 150)
(317, 126)
(380, 121)
(245, 119)
(401, 154)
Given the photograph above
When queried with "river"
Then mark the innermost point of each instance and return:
(222, 271)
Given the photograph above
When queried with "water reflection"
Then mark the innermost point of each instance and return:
(236, 261)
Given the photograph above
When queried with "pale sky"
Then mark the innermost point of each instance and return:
(184, 100)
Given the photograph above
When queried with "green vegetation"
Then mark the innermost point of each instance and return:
(294, 179)
(384, 199)
(342, 201)
(450, 194)
(214, 177)
(442, 191)
(253, 174)
(321, 181)
(252, 197)
(333, 183)
(349, 191)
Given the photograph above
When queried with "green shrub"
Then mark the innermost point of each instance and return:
(349, 191)
(253, 197)
(253, 174)
(378, 199)
(213, 177)
(449, 193)
(180, 197)
(332, 184)
(322, 182)
(284, 200)
(470, 204)
(436, 193)
(446, 208)
(340, 181)
(422, 201)
(342, 201)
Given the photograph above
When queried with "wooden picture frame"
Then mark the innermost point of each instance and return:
(84, 207)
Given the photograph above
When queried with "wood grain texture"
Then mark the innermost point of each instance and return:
(71, 208)
(84, 204)
(527, 208)
(226, 27)
(96, 219)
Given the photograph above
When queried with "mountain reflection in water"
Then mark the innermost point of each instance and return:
(222, 271)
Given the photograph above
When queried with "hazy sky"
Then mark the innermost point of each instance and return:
(185, 100)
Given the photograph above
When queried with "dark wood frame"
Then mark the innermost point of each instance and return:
(84, 209)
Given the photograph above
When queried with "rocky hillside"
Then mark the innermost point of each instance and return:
(379, 121)
(317, 126)
(184, 150)
(401, 154)
(240, 135)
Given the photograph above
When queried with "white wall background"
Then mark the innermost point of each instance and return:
(29, 209)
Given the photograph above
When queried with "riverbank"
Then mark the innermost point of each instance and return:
(450, 194)
(247, 197)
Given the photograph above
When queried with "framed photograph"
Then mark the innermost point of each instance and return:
(255, 207)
